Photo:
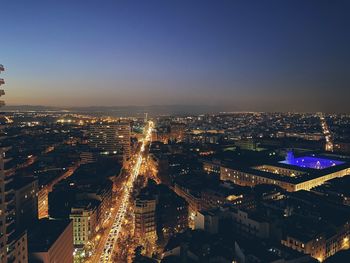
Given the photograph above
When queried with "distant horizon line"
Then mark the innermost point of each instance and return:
(165, 106)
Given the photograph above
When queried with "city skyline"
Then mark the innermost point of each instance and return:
(174, 131)
(270, 56)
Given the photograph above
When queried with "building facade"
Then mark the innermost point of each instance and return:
(10, 240)
(26, 200)
(85, 221)
(320, 246)
(145, 219)
(111, 138)
(3, 237)
(286, 178)
(19, 249)
(43, 202)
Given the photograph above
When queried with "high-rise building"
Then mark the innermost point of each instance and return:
(3, 238)
(10, 239)
(111, 138)
(124, 134)
(145, 218)
(26, 200)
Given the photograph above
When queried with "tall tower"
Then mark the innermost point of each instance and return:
(13, 245)
(3, 237)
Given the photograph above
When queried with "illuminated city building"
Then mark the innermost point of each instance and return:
(204, 137)
(319, 246)
(84, 215)
(192, 197)
(177, 131)
(145, 218)
(43, 203)
(88, 157)
(317, 226)
(212, 166)
(111, 138)
(124, 133)
(159, 165)
(302, 173)
(247, 144)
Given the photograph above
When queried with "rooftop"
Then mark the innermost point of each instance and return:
(45, 233)
(312, 162)
(87, 204)
(306, 172)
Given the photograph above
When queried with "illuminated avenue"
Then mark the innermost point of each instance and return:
(113, 235)
(329, 142)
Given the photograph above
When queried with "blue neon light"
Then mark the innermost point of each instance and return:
(310, 162)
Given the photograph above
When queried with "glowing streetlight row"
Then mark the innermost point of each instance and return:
(115, 230)
(327, 134)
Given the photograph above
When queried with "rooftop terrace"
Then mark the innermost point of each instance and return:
(312, 162)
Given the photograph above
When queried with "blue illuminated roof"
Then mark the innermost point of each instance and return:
(312, 162)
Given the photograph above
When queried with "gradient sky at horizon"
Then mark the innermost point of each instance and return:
(254, 55)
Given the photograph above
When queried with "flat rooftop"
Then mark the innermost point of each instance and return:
(307, 173)
(45, 233)
(312, 162)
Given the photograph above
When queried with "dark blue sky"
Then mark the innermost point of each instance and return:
(253, 55)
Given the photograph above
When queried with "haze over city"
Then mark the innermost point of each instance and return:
(238, 55)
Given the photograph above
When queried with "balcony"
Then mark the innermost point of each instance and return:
(10, 231)
(1, 68)
(2, 81)
(9, 199)
(2, 92)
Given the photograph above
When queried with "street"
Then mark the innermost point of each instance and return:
(327, 134)
(108, 241)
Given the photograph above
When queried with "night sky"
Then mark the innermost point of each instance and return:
(251, 55)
